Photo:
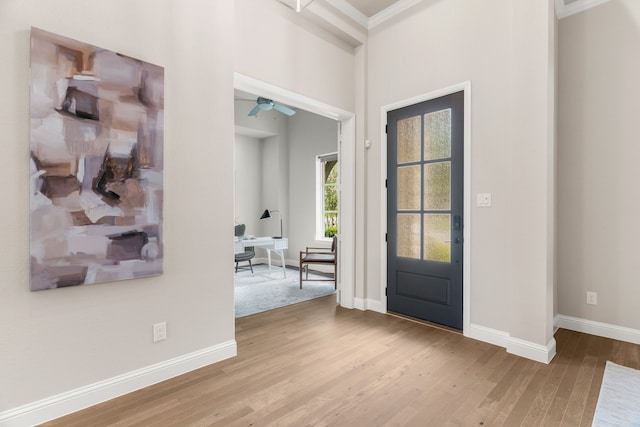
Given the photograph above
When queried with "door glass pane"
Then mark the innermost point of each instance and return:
(409, 140)
(409, 236)
(409, 188)
(437, 186)
(437, 234)
(437, 135)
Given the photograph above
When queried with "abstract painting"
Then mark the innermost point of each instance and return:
(96, 164)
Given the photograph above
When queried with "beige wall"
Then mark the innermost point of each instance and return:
(277, 46)
(598, 170)
(501, 47)
(57, 340)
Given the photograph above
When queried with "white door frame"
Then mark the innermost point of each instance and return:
(466, 264)
(347, 160)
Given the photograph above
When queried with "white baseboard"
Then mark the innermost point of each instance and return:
(522, 348)
(83, 397)
(489, 335)
(377, 306)
(369, 304)
(359, 304)
(606, 330)
(529, 350)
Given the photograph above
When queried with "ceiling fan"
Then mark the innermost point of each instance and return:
(267, 104)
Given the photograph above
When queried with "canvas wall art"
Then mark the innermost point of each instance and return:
(96, 164)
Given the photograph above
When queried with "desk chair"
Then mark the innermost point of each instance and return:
(249, 251)
(320, 256)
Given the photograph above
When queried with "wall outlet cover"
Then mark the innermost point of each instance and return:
(159, 331)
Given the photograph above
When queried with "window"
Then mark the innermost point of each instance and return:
(327, 196)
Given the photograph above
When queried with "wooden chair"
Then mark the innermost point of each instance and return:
(320, 256)
(249, 251)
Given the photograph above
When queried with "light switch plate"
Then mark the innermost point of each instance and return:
(484, 200)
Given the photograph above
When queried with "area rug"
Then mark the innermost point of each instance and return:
(619, 399)
(265, 290)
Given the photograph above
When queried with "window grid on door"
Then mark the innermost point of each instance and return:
(423, 207)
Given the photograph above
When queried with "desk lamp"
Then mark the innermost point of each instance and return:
(267, 214)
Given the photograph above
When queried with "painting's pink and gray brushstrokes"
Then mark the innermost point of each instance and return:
(96, 164)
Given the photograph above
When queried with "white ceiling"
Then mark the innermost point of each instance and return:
(366, 13)
(370, 8)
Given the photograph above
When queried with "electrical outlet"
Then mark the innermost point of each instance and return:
(592, 298)
(484, 200)
(159, 331)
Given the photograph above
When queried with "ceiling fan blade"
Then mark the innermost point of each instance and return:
(284, 110)
(254, 111)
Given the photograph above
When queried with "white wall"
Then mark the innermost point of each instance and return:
(247, 161)
(57, 340)
(274, 172)
(272, 187)
(598, 152)
(502, 47)
(309, 136)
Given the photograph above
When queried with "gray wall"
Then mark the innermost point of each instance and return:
(598, 163)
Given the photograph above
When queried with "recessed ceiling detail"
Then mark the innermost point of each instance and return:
(371, 7)
(369, 13)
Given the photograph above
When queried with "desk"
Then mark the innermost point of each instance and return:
(268, 243)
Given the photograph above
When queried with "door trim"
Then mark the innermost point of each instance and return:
(466, 263)
(347, 156)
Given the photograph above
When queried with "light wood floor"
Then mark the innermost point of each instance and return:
(314, 364)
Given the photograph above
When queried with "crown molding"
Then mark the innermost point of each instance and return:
(563, 10)
(380, 17)
(388, 13)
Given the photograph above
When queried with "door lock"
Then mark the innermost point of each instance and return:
(457, 223)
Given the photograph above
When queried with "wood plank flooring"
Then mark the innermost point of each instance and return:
(315, 364)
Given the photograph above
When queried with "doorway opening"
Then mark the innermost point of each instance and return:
(275, 169)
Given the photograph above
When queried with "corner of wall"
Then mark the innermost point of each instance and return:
(518, 347)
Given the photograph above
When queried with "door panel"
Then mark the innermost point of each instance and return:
(425, 206)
